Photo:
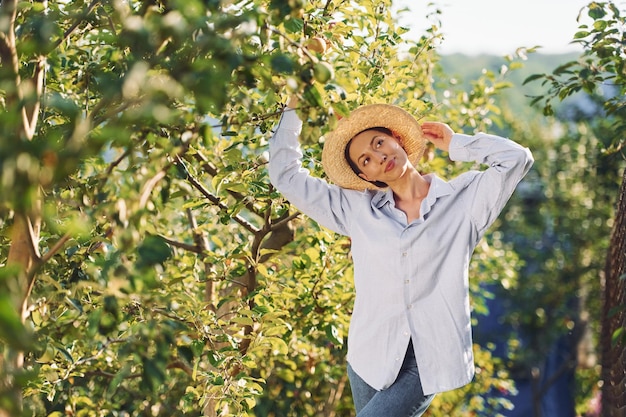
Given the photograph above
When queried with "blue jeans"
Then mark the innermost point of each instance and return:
(404, 398)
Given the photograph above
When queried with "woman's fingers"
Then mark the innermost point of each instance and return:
(438, 133)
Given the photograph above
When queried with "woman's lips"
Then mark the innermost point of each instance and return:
(390, 165)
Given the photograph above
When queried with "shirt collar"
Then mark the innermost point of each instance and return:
(438, 188)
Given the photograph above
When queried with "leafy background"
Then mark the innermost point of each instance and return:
(149, 267)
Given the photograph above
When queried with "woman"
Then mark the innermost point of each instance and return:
(412, 238)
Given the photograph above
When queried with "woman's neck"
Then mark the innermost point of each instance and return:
(409, 193)
(412, 187)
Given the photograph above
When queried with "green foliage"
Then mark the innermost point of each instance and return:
(600, 73)
(491, 375)
(600, 70)
(559, 223)
(461, 71)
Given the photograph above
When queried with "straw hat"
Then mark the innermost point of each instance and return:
(400, 122)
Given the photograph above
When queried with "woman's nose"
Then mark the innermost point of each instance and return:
(382, 157)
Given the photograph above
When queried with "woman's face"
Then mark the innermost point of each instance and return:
(378, 156)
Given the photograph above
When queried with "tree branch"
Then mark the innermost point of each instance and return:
(257, 118)
(111, 110)
(304, 50)
(30, 113)
(216, 200)
(112, 166)
(211, 170)
(200, 239)
(33, 240)
(282, 222)
(8, 55)
(80, 18)
(56, 248)
(150, 184)
(181, 245)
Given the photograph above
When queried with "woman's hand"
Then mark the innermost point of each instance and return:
(439, 134)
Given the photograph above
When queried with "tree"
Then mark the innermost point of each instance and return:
(149, 266)
(104, 105)
(600, 71)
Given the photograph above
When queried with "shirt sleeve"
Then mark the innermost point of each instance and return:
(507, 163)
(327, 204)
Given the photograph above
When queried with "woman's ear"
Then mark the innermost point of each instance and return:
(363, 176)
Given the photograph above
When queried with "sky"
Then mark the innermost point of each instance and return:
(498, 26)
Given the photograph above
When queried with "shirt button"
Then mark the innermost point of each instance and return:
(397, 359)
(406, 281)
(406, 333)
(409, 306)
(404, 254)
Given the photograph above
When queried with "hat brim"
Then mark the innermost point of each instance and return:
(399, 121)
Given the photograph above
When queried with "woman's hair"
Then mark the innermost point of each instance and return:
(353, 165)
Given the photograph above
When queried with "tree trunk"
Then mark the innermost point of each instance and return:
(614, 317)
(22, 100)
(22, 256)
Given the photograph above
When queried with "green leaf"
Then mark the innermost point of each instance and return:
(260, 310)
(152, 251)
(64, 352)
(533, 78)
(341, 109)
(214, 358)
(313, 96)
(619, 336)
(244, 321)
(186, 353)
(596, 11)
(117, 379)
(74, 303)
(332, 333)
(218, 380)
(600, 25)
(282, 64)
(153, 374)
(565, 68)
(294, 25)
(278, 345)
(581, 34)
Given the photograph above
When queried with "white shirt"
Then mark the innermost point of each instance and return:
(411, 280)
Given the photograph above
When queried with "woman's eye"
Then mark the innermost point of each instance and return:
(365, 161)
(380, 142)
